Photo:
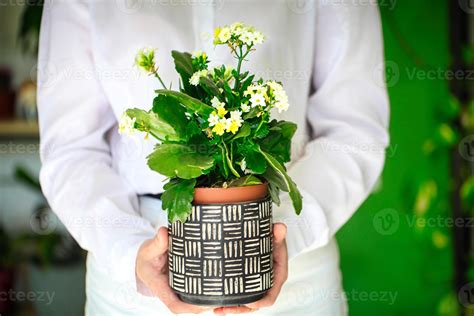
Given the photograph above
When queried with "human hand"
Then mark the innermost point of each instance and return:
(280, 272)
(152, 270)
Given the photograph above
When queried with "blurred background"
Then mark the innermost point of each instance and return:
(408, 250)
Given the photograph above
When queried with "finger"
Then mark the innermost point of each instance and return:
(233, 310)
(155, 246)
(279, 232)
(280, 251)
(280, 268)
(160, 242)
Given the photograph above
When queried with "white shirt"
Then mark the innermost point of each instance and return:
(328, 55)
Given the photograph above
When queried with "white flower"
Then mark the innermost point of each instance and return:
(213, 119)
(194, 80)
(255, 88)
(243, 165)
(216, 103)
(258, 38)
(224, 34)
(237, 117)
(282, 106)
(247, 38)
(236, 28)
(274, 85)
(245, 107)
(257, 99)
(126, 125)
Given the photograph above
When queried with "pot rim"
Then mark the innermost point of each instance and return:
(231, 195)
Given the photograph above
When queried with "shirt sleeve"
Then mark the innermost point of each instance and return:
(95, 204)
(348, 117)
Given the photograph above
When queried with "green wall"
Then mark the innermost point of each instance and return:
(411, 264)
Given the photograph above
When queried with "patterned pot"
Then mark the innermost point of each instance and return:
(222, 255)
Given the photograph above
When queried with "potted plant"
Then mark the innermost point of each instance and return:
(224, 158)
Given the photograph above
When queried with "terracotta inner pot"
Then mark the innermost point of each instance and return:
(230, 195)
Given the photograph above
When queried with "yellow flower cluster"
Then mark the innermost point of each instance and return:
(220, 123)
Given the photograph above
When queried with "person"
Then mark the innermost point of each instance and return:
(329, 57)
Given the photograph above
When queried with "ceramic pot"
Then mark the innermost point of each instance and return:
(222, 255)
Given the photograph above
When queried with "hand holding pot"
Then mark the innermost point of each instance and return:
(280, 266)
(152, 270)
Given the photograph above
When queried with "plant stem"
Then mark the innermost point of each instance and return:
(261, 122)
(229, 161)
(241, 57)
(161, 81)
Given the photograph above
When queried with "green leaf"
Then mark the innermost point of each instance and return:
(245, 181)
(278, 141)
(255, 161)
(189, 102)
(244, 131)
(263, 131)
(171, 111)
(467, 192)
(182, 161)
(230, 165)
(209, 86)
(274, 193)
(177, 198)
(293, 191)
(276, 179)
(184, 66)
(252, 113)
(150, 122)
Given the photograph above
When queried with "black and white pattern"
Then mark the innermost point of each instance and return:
(223, 250)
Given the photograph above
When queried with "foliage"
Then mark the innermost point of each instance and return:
(217, 130)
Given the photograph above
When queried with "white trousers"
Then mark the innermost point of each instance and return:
(314, 285)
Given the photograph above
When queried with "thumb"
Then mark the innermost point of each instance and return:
(160, 242)
(279, 232)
